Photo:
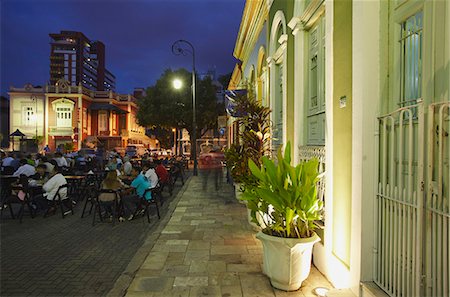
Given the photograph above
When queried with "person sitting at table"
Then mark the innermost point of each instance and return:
(24, 168)
(50, 188)
(126, 168)
(150, 173)
(112, 164)
(162, 172)
(41, 175)
(140, 184)
(60, 160)
(111, 182)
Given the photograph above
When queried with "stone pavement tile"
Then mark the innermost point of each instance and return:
(226, 250)
(224, 279)
(246, 241)
(174, 292)
(142, 272)
(177, 242)
(175, 270)
(190, 281)
(151, 284)
(231, 291)
(210, 291)
(255, 285)
(199, 245)
(195, 255)
(252, 259)
(228, 258)
(155, 260)
(159, 247)
(202, 223)
(207, 267)
(244, 267)
(175, 258)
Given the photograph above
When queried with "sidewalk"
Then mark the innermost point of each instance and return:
(208, 249)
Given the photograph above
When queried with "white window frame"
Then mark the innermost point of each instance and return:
(28, 115)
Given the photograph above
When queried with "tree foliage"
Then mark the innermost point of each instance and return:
(165, 107)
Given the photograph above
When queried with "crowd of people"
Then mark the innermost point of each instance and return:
(48, 172)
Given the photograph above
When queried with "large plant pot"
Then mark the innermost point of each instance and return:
(287, 261)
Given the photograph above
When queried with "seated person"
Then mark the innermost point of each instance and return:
(140, 184)
(126, 168)
(162, 173)
(51, 188)
(25, 169)
(111, 182)
(41, 175)
(150, 174)
(60, 160)
(112, 164)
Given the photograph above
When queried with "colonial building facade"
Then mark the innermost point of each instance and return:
(62, 113)
(363, 85)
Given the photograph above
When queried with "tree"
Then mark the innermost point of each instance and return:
(225, 80)
(165, 107)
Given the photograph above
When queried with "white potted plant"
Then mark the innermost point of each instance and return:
(285, 205)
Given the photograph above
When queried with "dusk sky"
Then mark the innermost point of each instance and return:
(138, 35)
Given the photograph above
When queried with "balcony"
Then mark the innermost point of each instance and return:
(60, 131)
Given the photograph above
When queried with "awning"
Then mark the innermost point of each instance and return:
(106, 106)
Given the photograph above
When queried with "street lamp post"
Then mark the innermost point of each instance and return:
(184, 47)
(34, 98)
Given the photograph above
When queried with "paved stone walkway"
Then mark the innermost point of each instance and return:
(208, 248)
(70, 257)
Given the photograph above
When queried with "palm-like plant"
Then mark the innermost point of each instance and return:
(284, 196)
(254, 133)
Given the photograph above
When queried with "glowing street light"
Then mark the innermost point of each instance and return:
(177, 84)
(184, 47)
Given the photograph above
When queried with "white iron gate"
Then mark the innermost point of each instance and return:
(400, 202)
(413, 226)
(437, 205)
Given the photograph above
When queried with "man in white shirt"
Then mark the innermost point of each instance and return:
(127, 166)
(52, 185)
(50, 189)
(60, 160)
(150, 174)
(8, 160)
(25, 168)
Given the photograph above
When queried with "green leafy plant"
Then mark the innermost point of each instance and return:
(254, 133)
(284, 201)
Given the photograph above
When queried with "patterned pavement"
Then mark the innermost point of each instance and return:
(70, 257)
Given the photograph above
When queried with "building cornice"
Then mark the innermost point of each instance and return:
(253, 19)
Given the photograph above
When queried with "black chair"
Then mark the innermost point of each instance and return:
(145, 204)
(14, 199)
(58, 201)
(98, 204)
(91, 193)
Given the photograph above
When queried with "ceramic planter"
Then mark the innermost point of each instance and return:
(287, 261)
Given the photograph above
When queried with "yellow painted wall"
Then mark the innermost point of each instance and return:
(342, 129)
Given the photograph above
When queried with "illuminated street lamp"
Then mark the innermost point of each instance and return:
(177, 84)
(183, 47)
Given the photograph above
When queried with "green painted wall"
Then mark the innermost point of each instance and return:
(342, 129)
(287, 6)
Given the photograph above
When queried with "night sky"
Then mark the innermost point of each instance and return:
(138, 35)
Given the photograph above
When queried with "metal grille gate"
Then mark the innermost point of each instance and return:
(413, 227)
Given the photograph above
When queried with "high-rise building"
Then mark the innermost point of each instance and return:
(77, 59)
